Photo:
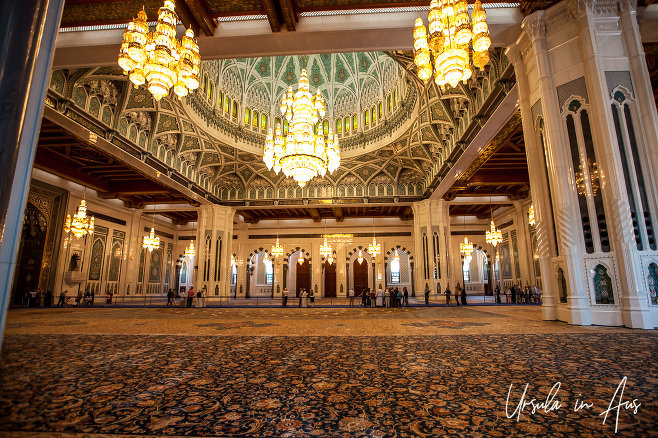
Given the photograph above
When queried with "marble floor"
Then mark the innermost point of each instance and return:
(307, 372)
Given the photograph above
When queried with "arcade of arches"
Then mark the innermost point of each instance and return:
(556, 120)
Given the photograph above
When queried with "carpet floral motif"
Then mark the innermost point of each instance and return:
(235, 325)
(448, 324)
(298, 386)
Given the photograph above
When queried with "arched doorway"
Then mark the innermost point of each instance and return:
(329, 279)
(302, 277)
(30, 253)
(360, 276)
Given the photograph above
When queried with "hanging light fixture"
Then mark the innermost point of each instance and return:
(453, 37)
(80, 225)
(300, 260)
(466, 247)
(277, 250)
(395, 264)
(266, 260)
(151, 242)
(325, 249)
(531, 215)
(360, 257)
(157, 58)
(374, 248)
(493, 235)
(190, 251)
(304, 153)
(330, 259)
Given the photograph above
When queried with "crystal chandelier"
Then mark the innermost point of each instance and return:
(493, 235)
(303, 154)
(80, 224)
(531, 215)
(277, 250)
(330, 259)
(453, 36)
(326, 249)
(266, 260)
(189, 251)
(157, 58)
(466, 248)
(151, 242)
(300, 260)
(360, 257)
(374, 248)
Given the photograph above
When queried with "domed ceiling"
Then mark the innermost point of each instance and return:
(394, 160)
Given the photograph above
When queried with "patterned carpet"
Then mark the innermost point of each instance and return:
(387, 386)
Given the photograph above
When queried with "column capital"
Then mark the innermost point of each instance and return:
(534, 25)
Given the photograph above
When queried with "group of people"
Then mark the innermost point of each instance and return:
(460, 295)
(389, 297)
(187, 298)
(306, 298)
(514, 294)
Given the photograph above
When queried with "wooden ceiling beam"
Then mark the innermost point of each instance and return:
(54, 163)
(272, 16)
(314, 214)
(289, 15)
(200, 11)
(338, 214)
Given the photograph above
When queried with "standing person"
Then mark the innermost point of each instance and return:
(458, 293)
(301, 294)
(170, 295)
(380, 297)
(199, 294)
(497, 295)
(311, 296)
(108, 298)
(427, 295)
(351, 295)
(93, 295)
(190, 297)
(513, 289)
(464, 297)
(373, 295)
(33, 299)
(48, 299)
(448, 292)
(387, 297)
(397, 298)
(304, 298)
(62, 298)
(364, 297)
(405, 294)
(536, 293)
(284, 297)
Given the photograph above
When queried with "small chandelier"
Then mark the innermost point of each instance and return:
(157, 58)
(374, 248)
(395, 264)
(466, 248)
(360, 257)
(531, 215)
(303, 154)
(151, 242)
(326, 249)
(266, 260)
(453, 36)
(330, 259)
(190, 251)
(493, 235)
(300, 260)
(80, 225)
(277, 250)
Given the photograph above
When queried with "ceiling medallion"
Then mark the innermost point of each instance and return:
(80, 225)
(157, 58)
(303, 154)
(453, 36)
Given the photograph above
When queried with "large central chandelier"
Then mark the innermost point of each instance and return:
(303, 154)
(453, 36)
(157, 58)
(80, 224)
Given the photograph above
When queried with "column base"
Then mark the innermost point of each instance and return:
(579, 311)
(640, 319)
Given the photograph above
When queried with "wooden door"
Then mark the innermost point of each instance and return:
(303, 277)
(360, 276)
(329, 279)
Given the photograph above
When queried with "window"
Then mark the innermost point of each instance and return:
(254, 122)
(268, 273)
(234, 112)
(325, 127)
(354, 125)
(374, 116)
(366, 119)
(395, 270)
(347, 125)
(263, 122)
(339, 126)
(380, 110)
(247, 116)
(389, 103)
(466, 271)
(285, 126)
(234, 274)
(227, 104)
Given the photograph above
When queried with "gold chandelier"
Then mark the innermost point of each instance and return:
(493, 235)
(360, 257)
(374, 248)
(80, 225)
(189, 251)
(325, 249)
(303, 154)
(466, 248)
(300, 260)
(453, 36)
(151, 242)
(531, 215)
(157, 58)
(277, 250)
